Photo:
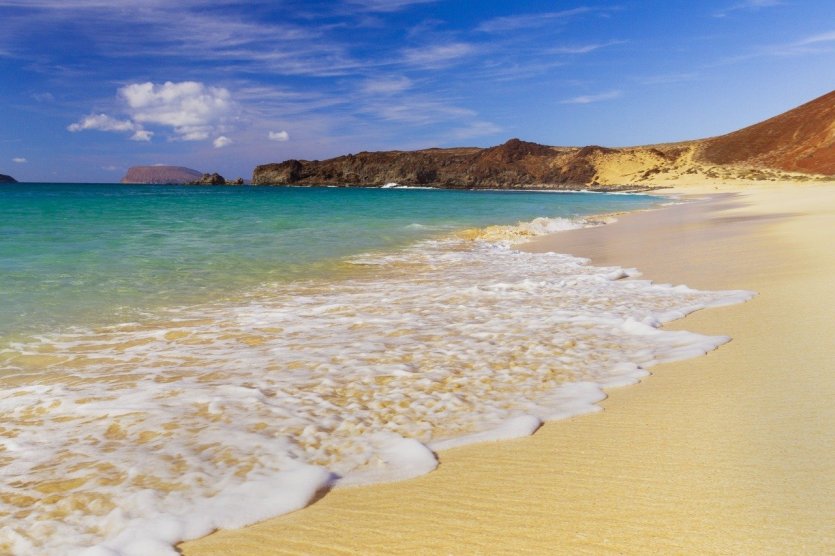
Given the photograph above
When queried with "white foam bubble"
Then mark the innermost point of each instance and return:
(127, 439)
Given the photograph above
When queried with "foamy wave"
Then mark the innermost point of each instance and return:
(524, 231)
(130, 438)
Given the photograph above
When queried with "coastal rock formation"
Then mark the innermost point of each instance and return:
(216, 179)
(515, 163)
(7, 179)
(161, 175)
(210, 179)
(800, 140)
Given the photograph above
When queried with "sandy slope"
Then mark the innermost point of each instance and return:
(732, 453)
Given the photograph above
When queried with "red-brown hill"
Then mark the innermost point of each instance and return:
(800, 140)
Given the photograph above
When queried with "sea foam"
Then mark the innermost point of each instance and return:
(128, 439)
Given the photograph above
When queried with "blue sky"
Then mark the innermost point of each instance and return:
(91, 87)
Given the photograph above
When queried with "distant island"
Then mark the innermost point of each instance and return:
(7, 179)
(796, 145)
(175, 175)
(161, 175)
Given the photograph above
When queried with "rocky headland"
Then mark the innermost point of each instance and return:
(7, 179)
(798, 145)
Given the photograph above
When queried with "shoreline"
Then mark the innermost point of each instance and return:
(572, 486)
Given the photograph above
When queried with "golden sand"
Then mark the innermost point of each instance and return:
(731, 453)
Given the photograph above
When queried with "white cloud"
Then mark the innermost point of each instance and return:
(588, 99)
(279, 136)
(142, 135)
(194, 110)
(19, 160)
(221, 142)
(102, 122)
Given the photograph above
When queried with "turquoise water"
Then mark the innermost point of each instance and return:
(81, 254)
(170, 354)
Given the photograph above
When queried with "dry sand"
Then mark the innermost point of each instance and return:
(731, 453)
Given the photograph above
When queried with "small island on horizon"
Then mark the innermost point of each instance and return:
(7, 179)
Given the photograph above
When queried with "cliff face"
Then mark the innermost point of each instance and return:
(801, 140)
(7, 179)
(161, 175)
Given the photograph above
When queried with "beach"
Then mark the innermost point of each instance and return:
(729, 453)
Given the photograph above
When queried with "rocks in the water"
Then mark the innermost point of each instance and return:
(216, 179)
(161, 175)
(210, 179)
(7, 179)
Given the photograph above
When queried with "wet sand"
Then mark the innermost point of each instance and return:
(730, 453)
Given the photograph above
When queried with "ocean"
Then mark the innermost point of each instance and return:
(180, 359)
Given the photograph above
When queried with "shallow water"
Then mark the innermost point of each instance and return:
(348, 365)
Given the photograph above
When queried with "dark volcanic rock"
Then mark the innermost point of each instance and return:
(513, 164)
(210, 179)
(161, 175)
(7, 179)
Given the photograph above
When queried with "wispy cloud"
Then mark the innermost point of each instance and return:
(438, 55)
(582, 49)
(19, 160)
(527, 21)
(280, 136)
(588, 99)
(475, 129)
(215, 35)
(418, 111)
(667, 78)
(386, 5)
(386, 85)
(747, 6)
(817, 39)
(820, 43)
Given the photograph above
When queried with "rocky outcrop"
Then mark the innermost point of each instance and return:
(801, 140)
(161, 175)
(7, 179)
(216, 179)
(210, 179)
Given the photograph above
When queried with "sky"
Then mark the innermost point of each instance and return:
(89, 88)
